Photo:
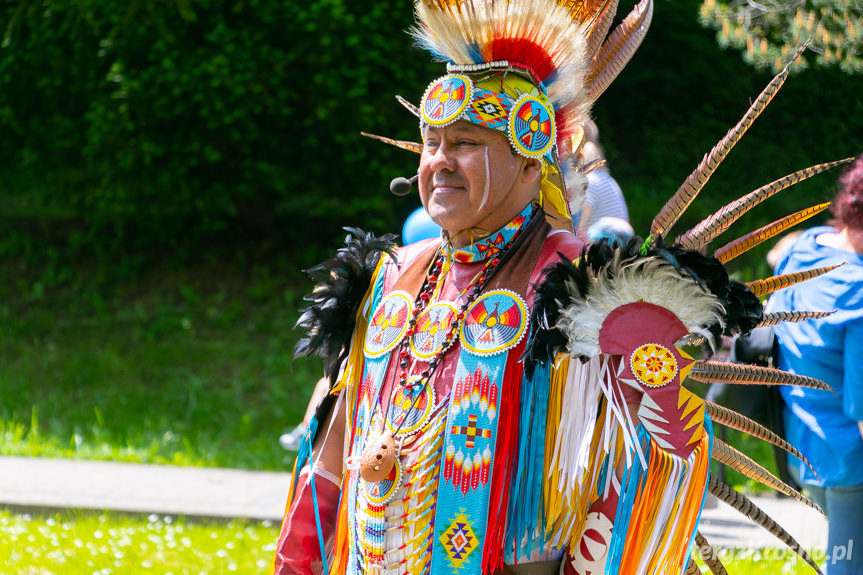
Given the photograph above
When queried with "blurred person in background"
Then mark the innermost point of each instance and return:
(827, 427)
(419, 226)
(781, 246)
(603, 197)
(615, 230)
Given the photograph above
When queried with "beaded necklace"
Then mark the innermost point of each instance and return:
(379, 455)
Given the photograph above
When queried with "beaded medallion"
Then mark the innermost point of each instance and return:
(653, 364)
(431, 331)
(531, 127)
(388, 324)
(410, 408)
(494, 323)
(446, 99)
(383, 491)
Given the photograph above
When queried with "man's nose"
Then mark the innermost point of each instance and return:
(442, 160)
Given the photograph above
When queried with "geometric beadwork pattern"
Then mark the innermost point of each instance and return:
(459, 540)
(471, 431)
(472, 421)
(490, 109)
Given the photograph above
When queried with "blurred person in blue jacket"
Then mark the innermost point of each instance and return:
(828, 427)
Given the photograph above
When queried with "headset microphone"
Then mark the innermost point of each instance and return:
(402, 186)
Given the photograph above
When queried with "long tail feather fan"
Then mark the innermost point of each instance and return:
(741, 503)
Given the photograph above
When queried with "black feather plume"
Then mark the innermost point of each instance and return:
(342, 282)
(552, 295)
(743, 310)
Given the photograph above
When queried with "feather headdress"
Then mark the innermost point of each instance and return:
(530, 69)
(560, 45)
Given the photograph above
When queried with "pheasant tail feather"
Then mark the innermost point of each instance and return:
(729, 418)
(616, 52)
(709, 556)
(703, 233)
(777, 317)
(742, 244)
(721, 372)
(408, 106)
(742, 504)
(683, 197)
(727, 455)
(403, 144)
(767, 286)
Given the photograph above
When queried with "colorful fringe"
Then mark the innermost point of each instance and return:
(659, 509)
(506, 461)
(350, 381)
(580, 439)
(526, 522)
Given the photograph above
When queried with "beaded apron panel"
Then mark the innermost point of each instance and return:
(430, 513)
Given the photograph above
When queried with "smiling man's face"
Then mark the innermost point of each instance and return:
(469, 179)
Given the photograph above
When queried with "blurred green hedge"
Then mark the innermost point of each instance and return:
(179, 116)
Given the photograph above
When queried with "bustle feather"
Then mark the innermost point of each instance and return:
(342, 282)
(741, 503)
(708, 555)
(693, 286)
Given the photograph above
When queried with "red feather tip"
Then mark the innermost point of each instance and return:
(522, 51)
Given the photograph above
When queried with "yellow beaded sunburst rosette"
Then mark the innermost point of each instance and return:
(653, 364)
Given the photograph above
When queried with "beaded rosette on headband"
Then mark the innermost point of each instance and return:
(503, 100)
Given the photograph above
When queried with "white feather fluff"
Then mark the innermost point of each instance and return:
(651, 280)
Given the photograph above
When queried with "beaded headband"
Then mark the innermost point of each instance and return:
(501, 101)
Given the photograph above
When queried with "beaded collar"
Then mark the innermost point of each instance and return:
(492, 244)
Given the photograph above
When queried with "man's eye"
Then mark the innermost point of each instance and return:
(466, 143)
(431, 144)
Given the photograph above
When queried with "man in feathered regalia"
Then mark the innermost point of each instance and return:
(505, 399)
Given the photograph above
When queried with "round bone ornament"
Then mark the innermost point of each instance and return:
(379, 457)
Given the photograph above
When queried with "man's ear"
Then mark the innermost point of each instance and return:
(531, 170)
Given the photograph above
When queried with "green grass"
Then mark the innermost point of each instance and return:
(770, 561)
(189, 366)
(72, 543)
